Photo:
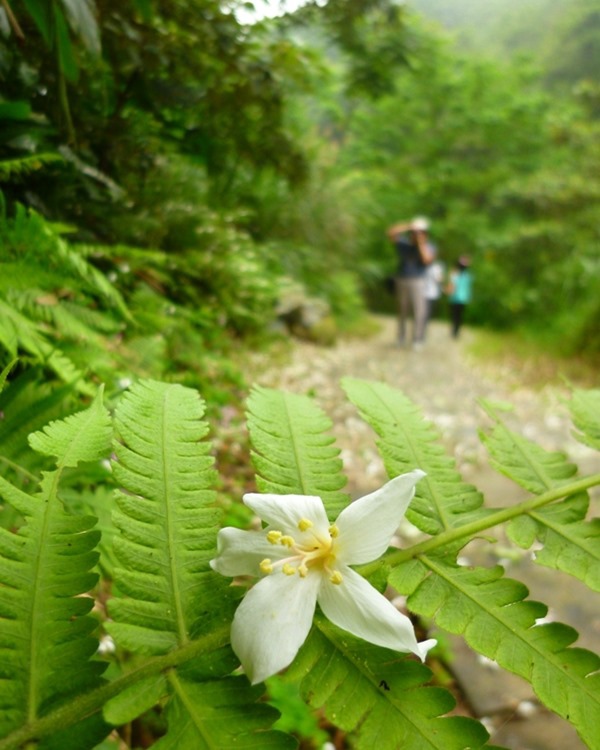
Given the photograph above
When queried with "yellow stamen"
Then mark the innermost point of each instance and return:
(333, 531)
(336, 577)
(288, 569)
(287, 541)
(265, 566)
(304, 524)
(303, 570)
(274, 536)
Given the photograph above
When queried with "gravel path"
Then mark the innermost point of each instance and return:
(446, 382)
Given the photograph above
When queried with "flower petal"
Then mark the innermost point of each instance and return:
(357, 607)
(239, 553)
(367, 525)
(272, 622)
(284, 512)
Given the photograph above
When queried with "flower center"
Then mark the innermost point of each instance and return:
(313, 551)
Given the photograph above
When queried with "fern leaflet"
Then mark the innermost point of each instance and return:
(166, 518)
(406, 441)
(45, 628)
(379, 694)
(292, 453)
(570, 543)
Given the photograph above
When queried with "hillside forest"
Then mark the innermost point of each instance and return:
(186, 184)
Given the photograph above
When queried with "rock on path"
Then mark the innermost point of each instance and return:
(446, 382)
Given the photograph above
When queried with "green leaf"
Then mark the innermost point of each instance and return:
(135, 700)
(45, 627)
(81, 15)
(41, 12)
(64, 45)
(224, 714)
(585, 410)
(379, 695)
(526, 463)
(495, 619)
(167, 520)
(442, 501)
(292, 452)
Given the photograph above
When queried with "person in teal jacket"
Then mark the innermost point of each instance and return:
(459, 290)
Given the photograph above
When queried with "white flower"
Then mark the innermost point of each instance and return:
(304, 560)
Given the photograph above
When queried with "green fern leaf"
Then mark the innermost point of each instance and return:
(570, 543)
(378, 695)
(167, 519)
(292, 452)
(495, 620)
(407, 441)
(224, 714)
(526, 463)
(585, 411)
(45, 629)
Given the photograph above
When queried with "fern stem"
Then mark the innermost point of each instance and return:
(488, 522)
(90, 703)
(171, 524)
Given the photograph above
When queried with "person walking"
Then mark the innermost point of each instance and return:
(459, 291)
(414, 255)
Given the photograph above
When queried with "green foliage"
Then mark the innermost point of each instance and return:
(46, 628)
(169, 613)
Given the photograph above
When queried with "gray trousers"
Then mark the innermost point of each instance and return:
(411, 300)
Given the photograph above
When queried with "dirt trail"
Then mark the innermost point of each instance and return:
(446, 382)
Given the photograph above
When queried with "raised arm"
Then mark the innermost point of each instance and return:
(397, 229)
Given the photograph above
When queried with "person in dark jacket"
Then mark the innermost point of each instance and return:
(414, 255)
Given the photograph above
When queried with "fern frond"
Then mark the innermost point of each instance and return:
(495, 619)
(167, 519)
(45, 630)
(379, 696)
(488, 610)
(570, 543)
(406, 441)
(292, 452)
